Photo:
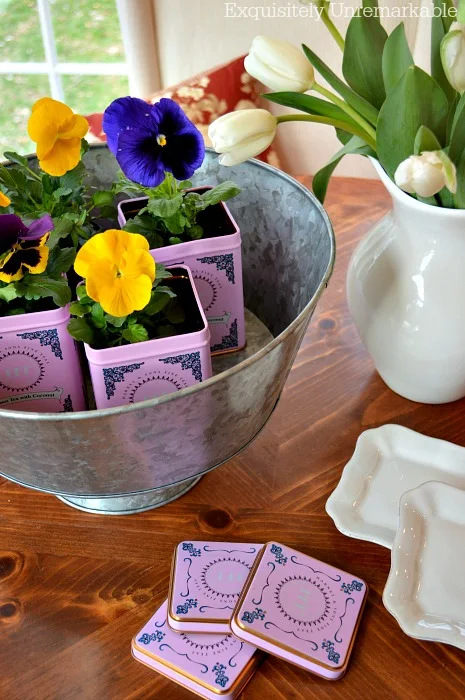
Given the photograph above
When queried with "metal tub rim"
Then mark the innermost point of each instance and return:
(10, 414)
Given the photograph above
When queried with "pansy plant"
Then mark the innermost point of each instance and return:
(123, 299)
(158, 148)
(32, 275)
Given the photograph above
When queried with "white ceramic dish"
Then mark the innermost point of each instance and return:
(425, 588)
(387, 462)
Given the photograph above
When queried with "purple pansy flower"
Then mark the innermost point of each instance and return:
(148, 140)
(22, 247)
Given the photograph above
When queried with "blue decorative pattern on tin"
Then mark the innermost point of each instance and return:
(154, 637)
(351, 587)
(221, 677)
(47, 338)
(257, 614)
(190, 361)
(278, 552)
(184, 609)
(332, 654)
(189, 547)
(228, 341)
(114, 375)
(223, 262)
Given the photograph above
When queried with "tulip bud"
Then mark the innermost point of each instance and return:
(242, 134)
(427, 174)
(279, 65)
(453, 56)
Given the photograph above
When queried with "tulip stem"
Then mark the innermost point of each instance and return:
(332, 29)
(355, 131)
(345, 108)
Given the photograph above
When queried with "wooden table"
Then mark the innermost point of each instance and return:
(75, 588)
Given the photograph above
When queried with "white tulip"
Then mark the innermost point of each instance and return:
(427, 174)
(243, 134)
(279, 65)
(453, 56)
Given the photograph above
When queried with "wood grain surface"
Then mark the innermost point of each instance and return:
(75, 588)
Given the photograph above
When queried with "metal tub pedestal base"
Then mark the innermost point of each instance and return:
(126, 505)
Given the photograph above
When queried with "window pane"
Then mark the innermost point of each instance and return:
(19, 92)
(87, 31)
(93, 93)
(20, 38)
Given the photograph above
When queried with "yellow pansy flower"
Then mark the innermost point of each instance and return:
(118, 269)
(57, 132)
(4, 200)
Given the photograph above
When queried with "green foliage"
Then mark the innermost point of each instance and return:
(362, 62)
(170, 215)
(90, 324)
(397, 57)
(415, 101)
(39, 292)
(355, 146)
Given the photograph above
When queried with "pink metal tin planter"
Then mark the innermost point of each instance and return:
(216, 264)
(39, 364)
(212, 666)
(206, 581)
(140, 371)
(300, 609)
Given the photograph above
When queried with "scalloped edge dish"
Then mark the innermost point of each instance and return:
(387, 462)
(424, 590)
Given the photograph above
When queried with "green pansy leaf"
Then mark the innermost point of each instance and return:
(102, 198)
(62, 192)
(195, 232)
(8, 293)
(14, 157)
(162, 272)
(116, 321)
(81, 330)
(353, 100)
(98, 316)
(184, 185)
(363, 55)
(415, 101)
(175, 313)
(397, 57)
(164, 208)
(78, 309)
(135, 333)
(221, 193)
(157, 303)
(40, 286)
(60, 260)
(174, 240)
(425, 140)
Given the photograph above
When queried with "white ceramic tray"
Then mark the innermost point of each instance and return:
(425, 588)
(387, 462)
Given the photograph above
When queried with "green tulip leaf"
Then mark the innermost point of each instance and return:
(362, 64)
(355, 146)
(425, 140)
(311, 105)
(457, 139)
(353, 100)
(416, 100)
(440, 25)
(397, 57)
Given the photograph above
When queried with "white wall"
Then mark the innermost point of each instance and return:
(195, 35)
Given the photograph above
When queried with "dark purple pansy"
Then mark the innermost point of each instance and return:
(148, 140)
(12, 230)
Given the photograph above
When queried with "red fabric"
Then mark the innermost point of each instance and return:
(206, 97)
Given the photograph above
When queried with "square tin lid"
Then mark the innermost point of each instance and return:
(300, 609)
(210, 665)
(206, 581)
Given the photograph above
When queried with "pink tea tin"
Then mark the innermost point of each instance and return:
(300, 609)
(206, 581)
(216, 264)
(39, 363)
(213, 665)
(140, 371)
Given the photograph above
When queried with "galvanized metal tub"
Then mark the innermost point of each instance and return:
(137, 457)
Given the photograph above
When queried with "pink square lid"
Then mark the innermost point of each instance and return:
(206, 581)
(209, 664)
(300, 609)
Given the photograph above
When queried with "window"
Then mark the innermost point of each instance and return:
(71, 50)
